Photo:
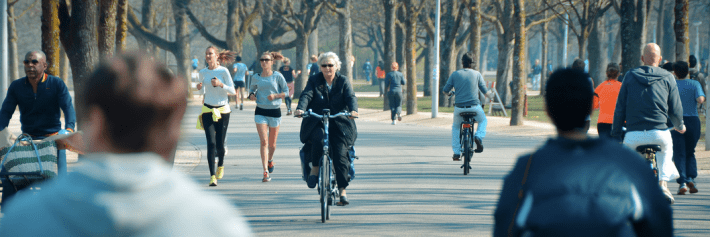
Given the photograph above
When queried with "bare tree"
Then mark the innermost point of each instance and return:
(414, 8)
(476, 24)
(584, 13)
(345, 49)
(682, 38)
(121, 25)
(240, 18)
(12, 39)
(107, 28)
(543, 77)
(516, 117)
(633, 20)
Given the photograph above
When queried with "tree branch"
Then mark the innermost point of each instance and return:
(203, 31)
(137, 29)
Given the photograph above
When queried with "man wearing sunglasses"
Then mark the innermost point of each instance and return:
(39, 96)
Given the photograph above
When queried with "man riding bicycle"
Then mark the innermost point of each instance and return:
(467, 84)
(647, 100)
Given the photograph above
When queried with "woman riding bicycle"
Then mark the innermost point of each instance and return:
(329, 90)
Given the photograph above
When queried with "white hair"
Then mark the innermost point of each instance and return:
(329, 55)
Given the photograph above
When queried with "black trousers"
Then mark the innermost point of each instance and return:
(216, 133)
(338, 152)
(395, 103)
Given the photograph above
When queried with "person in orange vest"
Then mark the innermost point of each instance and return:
(381, 77)
(605, 100)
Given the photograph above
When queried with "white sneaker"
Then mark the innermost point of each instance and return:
(394, 122)
(666, 192)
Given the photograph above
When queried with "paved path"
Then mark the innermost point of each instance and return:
(406, 183)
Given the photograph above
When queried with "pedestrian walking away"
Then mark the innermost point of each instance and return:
(124, 185)
(268, 88)
(329, 90)
(467, 83)
(313, 67)
(394, 81)
(647, 100)
(40, 97)
(575, 185)
(289, 74)
(380, 73)
(605, 100)
(695, 74)
(214, 119)
(691, 94)
(367, 70)
(537, 73)
(240, 72)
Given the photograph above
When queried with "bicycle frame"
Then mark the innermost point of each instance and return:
(466, 138)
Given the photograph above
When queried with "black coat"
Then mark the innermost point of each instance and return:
(340, 98)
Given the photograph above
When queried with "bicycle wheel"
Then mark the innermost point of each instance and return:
(466, 152)
(324, 187)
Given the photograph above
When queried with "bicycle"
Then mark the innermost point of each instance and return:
(466, 137)
(326, 174)
(648, 152)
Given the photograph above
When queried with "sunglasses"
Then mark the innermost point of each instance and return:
(264, 59)
(327, 65)
(34, 61)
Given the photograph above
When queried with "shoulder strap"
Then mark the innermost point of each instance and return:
(520, 195)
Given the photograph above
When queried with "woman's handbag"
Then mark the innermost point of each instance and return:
(26, 162)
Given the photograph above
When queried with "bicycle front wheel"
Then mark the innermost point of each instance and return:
(324, 187)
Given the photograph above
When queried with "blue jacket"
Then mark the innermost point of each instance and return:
(39, 113)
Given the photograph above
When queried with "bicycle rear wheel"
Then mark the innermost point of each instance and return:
(324, 187)
(466, 152)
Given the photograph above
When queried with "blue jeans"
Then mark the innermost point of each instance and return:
(684, 149)
(456, 127)
(536, 82)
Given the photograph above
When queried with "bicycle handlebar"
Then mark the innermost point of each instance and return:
(311, 113)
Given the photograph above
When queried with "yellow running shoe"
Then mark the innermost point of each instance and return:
(220, 172)
(213, 181)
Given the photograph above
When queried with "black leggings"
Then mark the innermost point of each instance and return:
(216, 132)
(395, 103)
(338, 152)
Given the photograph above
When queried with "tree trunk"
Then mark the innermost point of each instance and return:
(582, 51)
(78, 35)
(148, 21)
(447, 64)
(475, 45)
(411, 43)
(682, 38)
(50, 35)
(13, 56)
(313, 44)
(390, 41)
(543, 76)
(632, 20)
(516, 117)
(64, 68)
(121, 25)
(668, 47)
(302, 60)
(346, 36)
(503, 75)
(182, 40)
(107, 28)
(597, 52)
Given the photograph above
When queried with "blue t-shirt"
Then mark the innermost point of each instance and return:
(241, 71)
(689, 90)
(537, 69)
(314, 69)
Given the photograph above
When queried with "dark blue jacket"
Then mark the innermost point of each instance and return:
(339, 98)
(39, 113)
(583, 188)
(648, 99)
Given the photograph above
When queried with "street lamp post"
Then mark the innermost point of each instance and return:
(3, 49)
(697, 39)
(435, 78)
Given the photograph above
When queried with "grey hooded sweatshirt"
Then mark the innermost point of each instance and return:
(647, 100)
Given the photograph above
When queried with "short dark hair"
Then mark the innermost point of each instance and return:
(692, 61)
(136, 95)
(612, 70)
(681, 69)
(578, 64)
(568, 98)
(668, 66)
(467, 59)
(238, 59)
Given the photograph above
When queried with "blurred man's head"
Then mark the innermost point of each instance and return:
(612, 71)
(680, 69)
(568, 99)
(131, 104)
(692, 61)
(668, 66)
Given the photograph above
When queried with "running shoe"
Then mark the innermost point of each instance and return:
(241, 106)
(691, 186)
(271, 166)
(266, 177)
(394, 122)
(220, 172)
(399, 117)
(213, 180)
(457, 157)
(683, 188)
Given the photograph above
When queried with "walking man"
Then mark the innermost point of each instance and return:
(537, 72)
(367, 70)
(648, 99)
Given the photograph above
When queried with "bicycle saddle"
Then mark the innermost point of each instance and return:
(642, 148)
(468, 114)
